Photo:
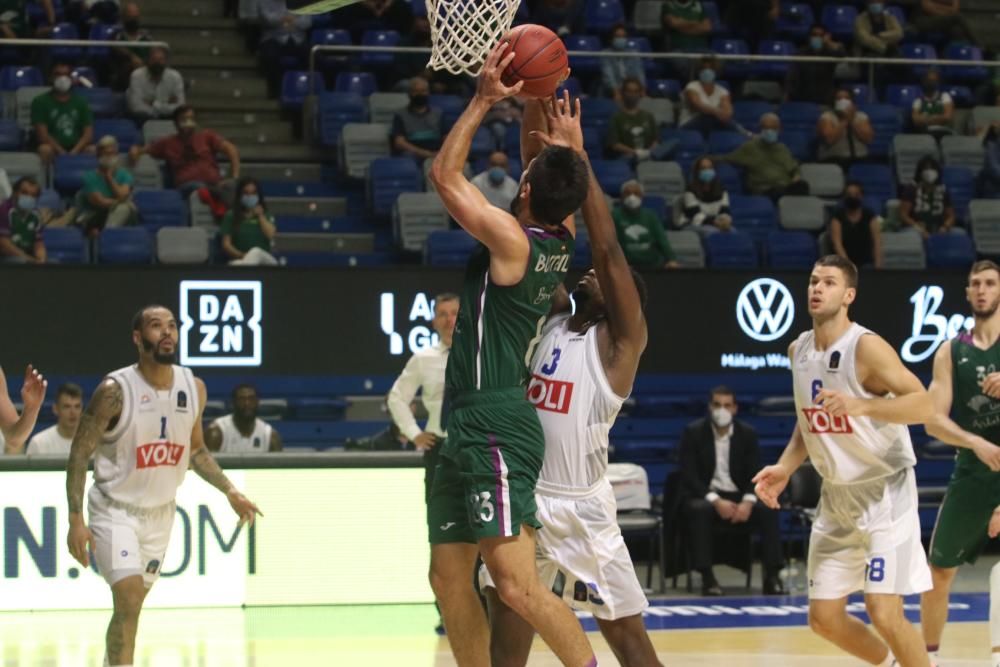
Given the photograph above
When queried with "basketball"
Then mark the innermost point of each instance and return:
(541, 60)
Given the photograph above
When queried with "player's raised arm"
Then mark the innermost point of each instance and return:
(16, 429)
(534, 119)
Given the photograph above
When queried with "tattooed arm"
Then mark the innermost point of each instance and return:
(102, 412)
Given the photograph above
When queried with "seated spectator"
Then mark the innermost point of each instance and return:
(705, 105)
(155, 91)
(495, 183)
(563, 17)
(56, 440)
(640, 232)
(705, 206)
(988, 92)
(285, 36)
(615, 70)
(844, 133)
(925, 205)
(771, 169)
(126, 59)
(63, 121)
(418, 130)
(933, 111)
(719, 457)
(374, 15)
(632, 132)
(686, 28)
(242, 431)
(989, 177)
(15, 23)
(248, 229)
(944, 16)
(813, 81)
(753, 20)
(21, 226)
(191, 158)
(105, 200)
(877, 32)
(856, 230)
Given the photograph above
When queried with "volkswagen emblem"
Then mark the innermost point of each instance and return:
(765, 309)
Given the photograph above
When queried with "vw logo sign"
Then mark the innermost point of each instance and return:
(765, 309)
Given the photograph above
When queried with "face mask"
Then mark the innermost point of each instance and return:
(419, 101)
(930, 176)
(706, 175)
(876, 8)
(769, 136)
(721, 417)
(157, 69)
(497, 175)
(26, 202)
(62, 83)
(619, 43)
(188, 124)
(632, 202)
(131, 25)
(843, 105)
(249, 201)
(707, 75)
(816, 43)
(108, 161)
(852, 203)
(630, 101)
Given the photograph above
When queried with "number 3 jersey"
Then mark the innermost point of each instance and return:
(142, 460)
(844, 450)
(575, 405)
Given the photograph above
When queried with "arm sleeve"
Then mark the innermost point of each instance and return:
(157, 149)
(863, 33)
(134, 95)
(724, 209)
(895, 30)
(397, 127)
(693, 214)
(402, 393)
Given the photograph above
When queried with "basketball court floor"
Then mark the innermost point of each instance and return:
(686, 630)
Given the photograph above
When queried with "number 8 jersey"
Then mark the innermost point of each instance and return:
(142, 460)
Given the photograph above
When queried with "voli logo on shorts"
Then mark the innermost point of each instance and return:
(158, 454)
(821, 421)
(550, 395)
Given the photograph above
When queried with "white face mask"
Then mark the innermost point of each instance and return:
(632, 202)
(62, 83)
(930, 176)
(842, 105)
(722, 417)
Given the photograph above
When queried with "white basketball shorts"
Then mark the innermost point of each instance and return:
(581, 554)
(128, 541)
(867, 538)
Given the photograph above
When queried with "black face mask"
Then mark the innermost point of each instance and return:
(157, 69)
(131, 25)
(852, 203)
(419, 101)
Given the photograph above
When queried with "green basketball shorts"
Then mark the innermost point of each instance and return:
(960, 531)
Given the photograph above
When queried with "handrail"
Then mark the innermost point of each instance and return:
(80, 42)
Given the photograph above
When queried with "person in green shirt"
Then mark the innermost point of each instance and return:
(771, 169)
(686, 28)
(63, 122)
(248, 229)
(640, 232)
(105, 200)
(21, 226)
(632, 132)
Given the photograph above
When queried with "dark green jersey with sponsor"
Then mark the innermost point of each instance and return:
(970, 407)
(498, 327)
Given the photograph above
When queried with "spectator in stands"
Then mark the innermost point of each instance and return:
(813, 81)
(242, 431)
(988, 92)
(719, 456)
(877, 32)
(495, 183)
(248, 229)
(155, 91)
(105, 200)
(128, 58)
(616, 69)
(943, 16)
(686, 28)
(374, 15)
(989, 177)
(56, 440)
(856, 230)
(285, 36)
(21, 226)
(632, 132)
(63, 121)
(640, 231)
(15, 22)
(845, 132)
(191, 157)
(933, 111)
(925, 205)
(564, 17)
(706, 106)
(418, 130)
(753, 20)
(706, 202)
(771, 169)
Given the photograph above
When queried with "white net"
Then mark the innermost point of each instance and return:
(464, 31)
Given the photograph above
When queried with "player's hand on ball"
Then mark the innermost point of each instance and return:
(994, 528)
(769, 483)
(245, 509)
(490, 88)
(33, 389)
(563, 115)
(988, 453)
(836, 403)
(991, 385)
(80, 541)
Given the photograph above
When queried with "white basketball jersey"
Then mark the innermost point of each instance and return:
(142, 460)
(844, 450)
(575, 404)
(234, 442)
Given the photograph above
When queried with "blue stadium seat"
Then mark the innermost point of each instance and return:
(125, 245)
(839, 21)
(593, 141)
(651, 66)
(122, 129)
(326, 61)
(66, 54)
(160, 208)
(104, 103)
(13, 77)
(611, 174)
(725, 141)
(387, 178)
(799, 144)
(81, 72)
(362, 83)
(961, 184)
(897, 12)
(964, 73)
(753, 215)
(791, 250)
(597, 111)
(379, 39)
(448, 248)
(918, 52)
(794, 21)
(731, 177)
(10, 136)
(773, 70)
(65, 245)
(483, 143)
(663, 88)
(603, 15)
(103, 33)
(735, 69)
(960, 95)
(295, 88)
(748, 112)
(570, 85)
(887, 123)
(450, 106)
(69, 171)
(733, 250)
(711, 10)
(512, 140)
(950, 251)
(861, 92)
(582, 258)
(583, 64)
(660, 207)
(877, 179)
(902, 95)
(690, 144)
(335, 111)
(799, 117)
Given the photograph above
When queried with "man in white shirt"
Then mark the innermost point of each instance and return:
(155, 91)
(56, 440)
(496, 183)
(14, 428)
(242, 432)
(719, 456)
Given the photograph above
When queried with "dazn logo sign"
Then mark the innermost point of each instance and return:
(221, 323)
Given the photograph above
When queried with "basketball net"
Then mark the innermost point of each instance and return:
(463, 32)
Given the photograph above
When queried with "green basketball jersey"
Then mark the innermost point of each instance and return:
(970, 408)
(498, 327)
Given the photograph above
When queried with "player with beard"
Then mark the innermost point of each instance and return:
(965, 390)
(144, 422)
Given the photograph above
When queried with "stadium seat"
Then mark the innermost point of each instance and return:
(663, 88)
(950, 251)
(877, 180)
(593, 141)
(23, 97)
(791, 250)
(157, 129)
(182, 245)
(805, 213)
(918, 52)
(104, 103)
(861, 93)
(361, 83)
(903, 250)
(160, 208)
(360, 144)
(611, 174)
(686, 245)
(125, 245)
(799, 144)
(379, 39)
(337, 110)
(753, 215)
(769, 91)
(902, 96)
(651, 66)
(721, 141)
(747, 113)
(984, 222)
(961, 151)
(69, 170)
(961, 184)
(734, 69)
(10, 136)
(583, 64)
(383, 106)
(123, 130)
(329, 61)
(908, 150)
(24, 164)
(603, 15)
(711, 10)
(965, 73)
(690, 144)
(295, 88)
(646, 16)
(773, 69)
(65, 245)
(825, 180)
(661, 179)
(571, 86)
(65, 54)
(448, 247)
(887, 123)
(13, 77)
(147, 174)
(82, 74)
(659, 206)
(839, 21)
(732, 250)
(661, 108)
(597, 112)
(961, 96)
(101, 32)
(794, 21)
(799, 117)
(450, 106)
(415, 215)
(982, 116)
(388, 177)
(731, 177)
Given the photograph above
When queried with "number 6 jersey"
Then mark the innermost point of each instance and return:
(142, 460)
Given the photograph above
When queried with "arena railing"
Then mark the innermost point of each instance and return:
(53, 43)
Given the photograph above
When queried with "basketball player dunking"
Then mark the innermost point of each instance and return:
(144, 421)
(482, 498)
(854, 397)
(583, 371)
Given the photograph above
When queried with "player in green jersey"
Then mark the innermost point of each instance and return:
(966, 394)
(482, 500)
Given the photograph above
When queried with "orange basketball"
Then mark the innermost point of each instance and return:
(541, 60)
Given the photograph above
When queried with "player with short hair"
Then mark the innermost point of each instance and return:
(854, 398)
(14, 428)
(582, 372)
(482, 499)
(965, 390)
(144, 422)
(56, 440)
(242, 432)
